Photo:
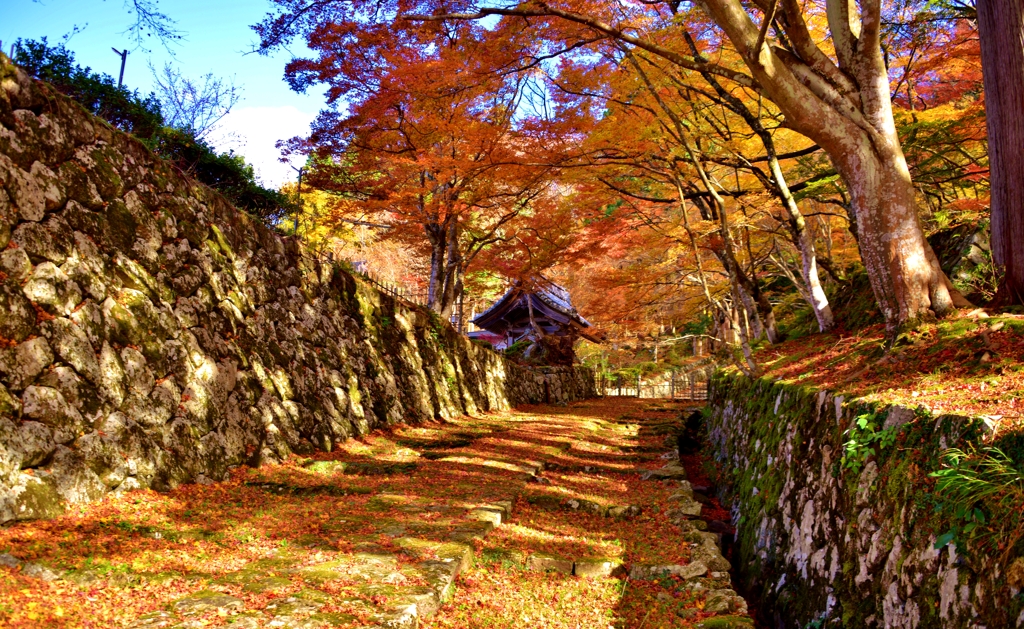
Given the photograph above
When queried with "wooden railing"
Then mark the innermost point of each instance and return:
(396, 290)
(691, 385)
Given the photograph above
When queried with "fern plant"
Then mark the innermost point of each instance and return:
(984, 492)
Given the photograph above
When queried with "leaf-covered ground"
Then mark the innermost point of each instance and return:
(970, 365)
(350, 537)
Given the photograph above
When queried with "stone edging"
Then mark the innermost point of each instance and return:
(706, 576)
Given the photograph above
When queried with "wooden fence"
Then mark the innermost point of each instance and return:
(676, 385)
(419, 298)
(397, 291)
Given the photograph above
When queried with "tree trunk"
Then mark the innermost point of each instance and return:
(452, 272)
(446, 266)
(438, 244)
(1001, 28)
(716, 207)
(752, 323)
(847, 110)
(905, 275)
(804, 241)
(747, 364)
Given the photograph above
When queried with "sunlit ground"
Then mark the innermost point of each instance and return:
(137, 553)
(965, 365)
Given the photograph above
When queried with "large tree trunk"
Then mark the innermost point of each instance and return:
(438, 243)
(905, 275)
(1001, 27)
(846, 109)
(446, 265)
(452, 273)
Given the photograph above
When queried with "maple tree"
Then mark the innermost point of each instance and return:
(833, 89)
(658, 159)
(904, 146)
(430, 146)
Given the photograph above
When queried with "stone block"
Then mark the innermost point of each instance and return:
(48, 406)
(10, 451)
(52, 240)
(630, 511)
(71, 343)
(491, 515)
(30, 497)
(596, 567)
(9, 405)
(16, 265)
(17, 317)
(542, 562)
(51, 288)
(27, 194)
(589, 506)
(74, 479)
(672, 471)
(684, 508)
(687, 571)
(39, 571)
(25, 362)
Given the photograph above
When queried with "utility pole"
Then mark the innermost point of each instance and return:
(124, 58)
(298, 198)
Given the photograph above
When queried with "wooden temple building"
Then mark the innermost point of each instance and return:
(508, 320)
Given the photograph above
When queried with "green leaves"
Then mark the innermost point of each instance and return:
(865, 440)
(943, 540)
(983, 492)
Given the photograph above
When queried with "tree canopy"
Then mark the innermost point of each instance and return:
(702, 154)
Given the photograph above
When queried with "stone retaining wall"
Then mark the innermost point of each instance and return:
(151, 334)
(829, 544)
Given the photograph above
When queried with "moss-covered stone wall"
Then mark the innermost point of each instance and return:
(151, 334)
(828, 542)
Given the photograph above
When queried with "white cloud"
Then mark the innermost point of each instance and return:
(253, 131)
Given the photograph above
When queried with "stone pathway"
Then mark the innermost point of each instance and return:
(378, 533)
(389, 585)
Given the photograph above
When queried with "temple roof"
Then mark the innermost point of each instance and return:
(552, 308)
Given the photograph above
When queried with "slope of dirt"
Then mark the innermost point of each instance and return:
(970, 364)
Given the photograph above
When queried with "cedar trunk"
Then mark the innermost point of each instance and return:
(1001, 28)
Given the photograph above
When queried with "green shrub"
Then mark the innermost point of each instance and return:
(132, 113)
(125, 109)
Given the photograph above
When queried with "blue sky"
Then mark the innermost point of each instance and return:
(217, 38)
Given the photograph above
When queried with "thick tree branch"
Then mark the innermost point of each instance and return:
(541, 9)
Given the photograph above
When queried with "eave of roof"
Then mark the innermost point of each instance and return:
(553, 302)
